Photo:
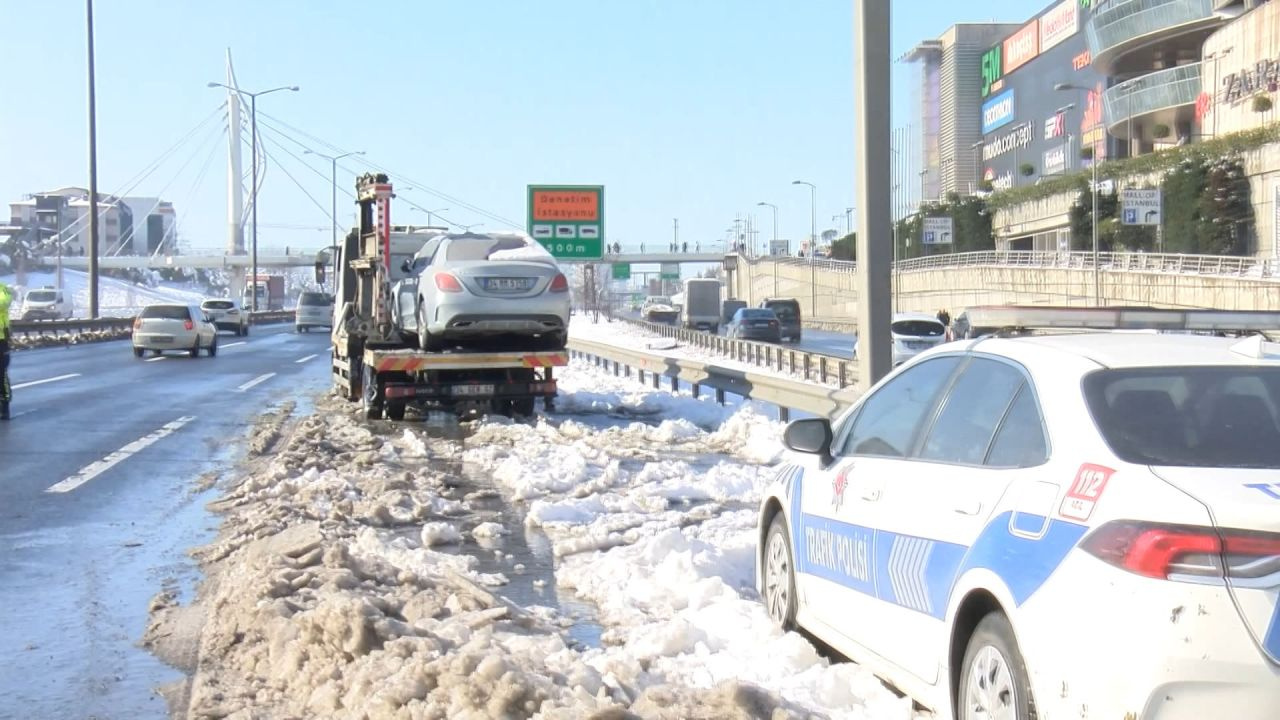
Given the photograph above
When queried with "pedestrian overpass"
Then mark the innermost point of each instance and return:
(308, 258)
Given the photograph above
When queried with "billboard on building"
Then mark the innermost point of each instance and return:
(1021, 47)
(1047, 128)
(1059, 23)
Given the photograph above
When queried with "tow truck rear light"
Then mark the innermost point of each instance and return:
(189, 325)
(559, 284)
(447, 283)
(1184, 552)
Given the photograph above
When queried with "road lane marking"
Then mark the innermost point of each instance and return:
(233, 344)
(157, 358)
(309, 357)
(94, 469)
(33, 383)
(256, 381)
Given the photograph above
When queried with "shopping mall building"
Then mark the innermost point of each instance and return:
(1111, 79)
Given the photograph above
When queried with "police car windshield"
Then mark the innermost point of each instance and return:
(1190, 416)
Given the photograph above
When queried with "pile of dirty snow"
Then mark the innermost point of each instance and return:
(337, 589)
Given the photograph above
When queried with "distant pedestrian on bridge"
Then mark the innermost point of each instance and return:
(6, 393)
(684, 248)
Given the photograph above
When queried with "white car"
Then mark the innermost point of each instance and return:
(46, 304)
(227, 315)
(1054, 527)
(174, 327)
(315, 309)
(912, 334)
(471, 287)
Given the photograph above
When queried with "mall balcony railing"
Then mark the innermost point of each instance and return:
(1141, 96)
(1223, 265)
(1119, 26)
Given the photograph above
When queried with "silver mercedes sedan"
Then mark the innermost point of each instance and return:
(472, 288)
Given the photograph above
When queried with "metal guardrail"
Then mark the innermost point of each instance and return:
(785, 393)
(111, 326)
(813, 367)
(1221, 265)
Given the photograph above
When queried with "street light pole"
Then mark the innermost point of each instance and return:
(93, 171)
(253, 190)
(1093, 164)
(813, 244)
(333, 203)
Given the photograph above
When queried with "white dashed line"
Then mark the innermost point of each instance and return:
(157, 358)
(302, 360)
(233, 344)
(33, 383)
(93, 470)
(256, 381)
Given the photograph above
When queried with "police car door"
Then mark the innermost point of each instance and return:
(940, 500)
(837, 543)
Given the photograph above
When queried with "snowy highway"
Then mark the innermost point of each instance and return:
(596, 558)
(99, 502)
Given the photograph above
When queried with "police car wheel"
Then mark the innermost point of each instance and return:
(994, 683)
(779, 577)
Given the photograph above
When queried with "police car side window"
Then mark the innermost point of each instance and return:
(972, 411)
(887, 423)
(1020, 441)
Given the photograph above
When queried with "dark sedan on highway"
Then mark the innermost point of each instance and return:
(755, 324)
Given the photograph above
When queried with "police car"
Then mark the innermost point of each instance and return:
(1068, 526)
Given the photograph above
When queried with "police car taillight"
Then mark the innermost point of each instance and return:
(1184, 552)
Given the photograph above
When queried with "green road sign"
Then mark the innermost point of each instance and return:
(568, 220)
(622, 271)
(670, 271)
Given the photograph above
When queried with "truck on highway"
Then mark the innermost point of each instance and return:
(270, 291)
(378, 364)
(701, 308)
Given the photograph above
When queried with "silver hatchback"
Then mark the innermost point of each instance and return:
(315, 309)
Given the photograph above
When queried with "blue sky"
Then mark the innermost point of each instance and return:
(689, 109)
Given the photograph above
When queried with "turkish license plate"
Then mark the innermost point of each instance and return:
(472, 390)
(507, 284)
(918, 345)
(760, 324)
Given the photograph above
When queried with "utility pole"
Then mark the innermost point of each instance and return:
(848, 220)
(871, 81)
(675, 231)
(253, 190)
(93, 172)
(333, 203)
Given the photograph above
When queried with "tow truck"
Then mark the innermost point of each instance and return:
(376, 364)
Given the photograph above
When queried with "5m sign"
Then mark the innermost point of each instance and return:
(568, 220)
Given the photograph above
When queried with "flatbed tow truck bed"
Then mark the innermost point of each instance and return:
(507, 383)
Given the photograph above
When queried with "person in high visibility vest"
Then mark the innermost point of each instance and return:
(6, 393)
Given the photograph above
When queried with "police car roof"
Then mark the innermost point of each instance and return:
(1128, 350)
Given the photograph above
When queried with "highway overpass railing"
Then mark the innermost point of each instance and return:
(1222, 265)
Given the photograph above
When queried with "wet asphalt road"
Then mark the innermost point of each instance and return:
(121, 442)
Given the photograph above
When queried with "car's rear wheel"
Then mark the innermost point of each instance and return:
(195, 348)
(137, 352)
(994, 684)
(779, 575)
(427, 341)
(155, 353)
(213, 347)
